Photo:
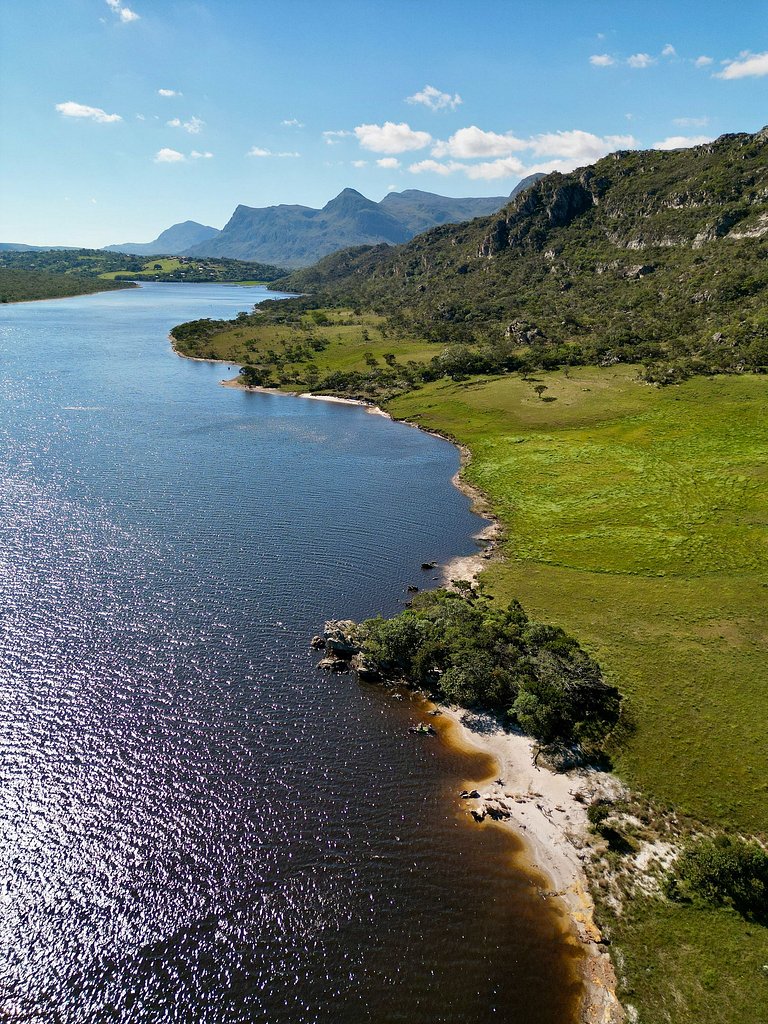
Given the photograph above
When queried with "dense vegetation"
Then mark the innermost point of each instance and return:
(465, 650)
(94, 263)
(28, 285)
(653, 257)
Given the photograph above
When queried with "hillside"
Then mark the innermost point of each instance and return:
(653, 256)
(171, 242)
(297, 236)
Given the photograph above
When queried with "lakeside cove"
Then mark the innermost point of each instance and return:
(633, 516)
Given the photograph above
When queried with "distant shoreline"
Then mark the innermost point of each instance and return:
(121, 286)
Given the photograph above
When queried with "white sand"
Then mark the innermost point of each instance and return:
(542, 808)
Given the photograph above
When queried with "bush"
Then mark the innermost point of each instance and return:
(725, 871)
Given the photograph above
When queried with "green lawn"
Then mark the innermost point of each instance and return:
(636, 518)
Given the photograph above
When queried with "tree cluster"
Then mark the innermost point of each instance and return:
(466, 651)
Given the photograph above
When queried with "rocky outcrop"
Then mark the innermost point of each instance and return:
(522, 333)
(342, 645)
(553, 202)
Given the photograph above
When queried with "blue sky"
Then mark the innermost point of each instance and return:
(119, 119)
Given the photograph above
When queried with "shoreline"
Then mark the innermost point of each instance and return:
(539, 805)
(547, 811)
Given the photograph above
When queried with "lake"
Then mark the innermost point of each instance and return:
(197, 825)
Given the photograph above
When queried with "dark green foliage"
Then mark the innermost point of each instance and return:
(76, 262)
(28, 285)
(470, 653)
(725, 871)
(651, 257)
(597, 812)
(256, 377)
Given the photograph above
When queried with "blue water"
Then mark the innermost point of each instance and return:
(196, 824)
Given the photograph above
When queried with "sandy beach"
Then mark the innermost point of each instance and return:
(548, 811)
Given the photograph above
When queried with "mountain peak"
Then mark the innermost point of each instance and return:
(351, 199)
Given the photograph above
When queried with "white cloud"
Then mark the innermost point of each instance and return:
(641, 60)
(434, 99)
(260, 152)
(292, 122)
(332, 138)
(681, 141)
(669, 51)
(359, 163)
(168, 92)
(140, 117)
(391, 138)
(566, 150)
(703, 61)
(489, 170)
(602, 60)
(196, 155)
(579, 147)
(72, 109)
(169, 156)
(471, 142)
(390, 162)
(753, 65)
(125, 14)
(435, 167)
(690, 122)
(194, 125)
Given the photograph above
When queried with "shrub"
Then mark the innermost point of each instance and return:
(725, 871)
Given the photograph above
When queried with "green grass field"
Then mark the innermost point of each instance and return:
(636, 519)
(166, 264)
(347, 337)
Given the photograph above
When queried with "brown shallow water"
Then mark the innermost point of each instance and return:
(196, 825)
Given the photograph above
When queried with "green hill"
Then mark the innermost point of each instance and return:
(659, 257)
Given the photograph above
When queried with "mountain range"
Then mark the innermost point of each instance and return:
(297, 236)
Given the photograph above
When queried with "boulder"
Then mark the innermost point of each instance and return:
(333, 664)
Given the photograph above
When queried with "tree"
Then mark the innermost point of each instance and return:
(540, 389)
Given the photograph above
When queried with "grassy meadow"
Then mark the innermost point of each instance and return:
(344, 338)
(164, 264)
(635, 517)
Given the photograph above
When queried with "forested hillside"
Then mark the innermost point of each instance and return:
(650, 256)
